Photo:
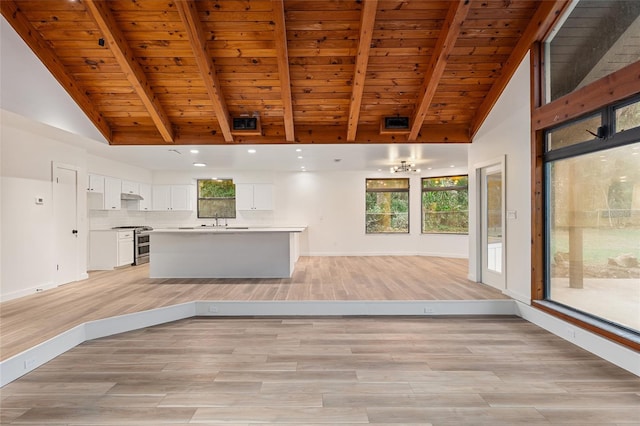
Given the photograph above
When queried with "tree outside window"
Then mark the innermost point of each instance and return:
(445, 205)
(387, 206)
(216, 198)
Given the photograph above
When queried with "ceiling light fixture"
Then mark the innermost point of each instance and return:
(404, 168)
(251, 151)
(194, 151)
(199, 164)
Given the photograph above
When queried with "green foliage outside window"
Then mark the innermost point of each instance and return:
(216, 198)
(445, 205)
(387, 206)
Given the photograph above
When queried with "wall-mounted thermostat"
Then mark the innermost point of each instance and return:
(39, 200)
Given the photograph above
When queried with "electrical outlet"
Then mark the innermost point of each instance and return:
(571, 333)
(29, 364)
(429, 310)
(213, 309)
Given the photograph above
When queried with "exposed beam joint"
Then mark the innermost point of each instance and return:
(43, 51)
(367, 21)
(118, 45)
(543, 20)
(189, 14)
(283, 68)
(456, 15)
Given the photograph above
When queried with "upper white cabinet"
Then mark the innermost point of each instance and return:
(254, 196)
(96, 184)
(129, 187)
(171, 197)
(112, 193)
(145, 193)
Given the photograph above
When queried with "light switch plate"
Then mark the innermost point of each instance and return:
(512, 214)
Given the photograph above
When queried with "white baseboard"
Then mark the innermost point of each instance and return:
(24, 362)
(607, 349)
(346, 254)
(27, 291)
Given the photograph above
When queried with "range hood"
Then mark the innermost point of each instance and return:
(125, 196)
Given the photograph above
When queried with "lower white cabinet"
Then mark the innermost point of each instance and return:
(109, 249)
(171, 197)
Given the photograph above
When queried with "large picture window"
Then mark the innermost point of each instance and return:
(387, 206)
(216, 199)
(593, 222)
(445, 205)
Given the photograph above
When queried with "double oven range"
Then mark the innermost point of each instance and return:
(141, 243)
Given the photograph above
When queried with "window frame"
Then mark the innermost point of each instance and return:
(379, 190)
(610, 140)
(198, 198)
(449, 188)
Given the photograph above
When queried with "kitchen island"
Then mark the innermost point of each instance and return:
(224, 252)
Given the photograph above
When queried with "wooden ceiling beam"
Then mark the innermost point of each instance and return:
(367, 21)
(42, 49)
(118, 45)
(543, 20)
(317, 134)
(456, 15)
(189, 14)
(283, 68)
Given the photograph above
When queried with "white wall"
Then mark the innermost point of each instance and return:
(28, 253)
(331, 204)
(506, 132)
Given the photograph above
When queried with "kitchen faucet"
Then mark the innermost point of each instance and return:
(216, 225)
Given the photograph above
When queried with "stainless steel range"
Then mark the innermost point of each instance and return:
(141, 243)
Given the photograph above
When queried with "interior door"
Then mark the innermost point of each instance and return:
(65, 210)
(492, 228)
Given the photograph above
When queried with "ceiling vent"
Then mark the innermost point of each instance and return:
(246, 126)
(394, 124)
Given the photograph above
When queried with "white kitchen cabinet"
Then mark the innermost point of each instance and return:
(110, 249)
(96, 184)
(129, 187)
(112, 193)
(254, 196)
(145, 193)
(171, 197)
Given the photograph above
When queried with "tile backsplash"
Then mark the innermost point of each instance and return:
(106, 219)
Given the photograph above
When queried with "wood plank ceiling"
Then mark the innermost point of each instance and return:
(313, 71)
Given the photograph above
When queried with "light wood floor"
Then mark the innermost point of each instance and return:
(30, 320)
(332, 371)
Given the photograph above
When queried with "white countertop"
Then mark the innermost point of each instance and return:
(228, 229)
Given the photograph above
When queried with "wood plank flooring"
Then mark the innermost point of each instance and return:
(31, 320)
(327, 371)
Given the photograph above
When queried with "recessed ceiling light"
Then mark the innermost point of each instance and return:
(452, 165)
(302, 167)
(299, 150)
(194, 151)
(251, 151)
(429, 168)
(199, 164)
(299, 157)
